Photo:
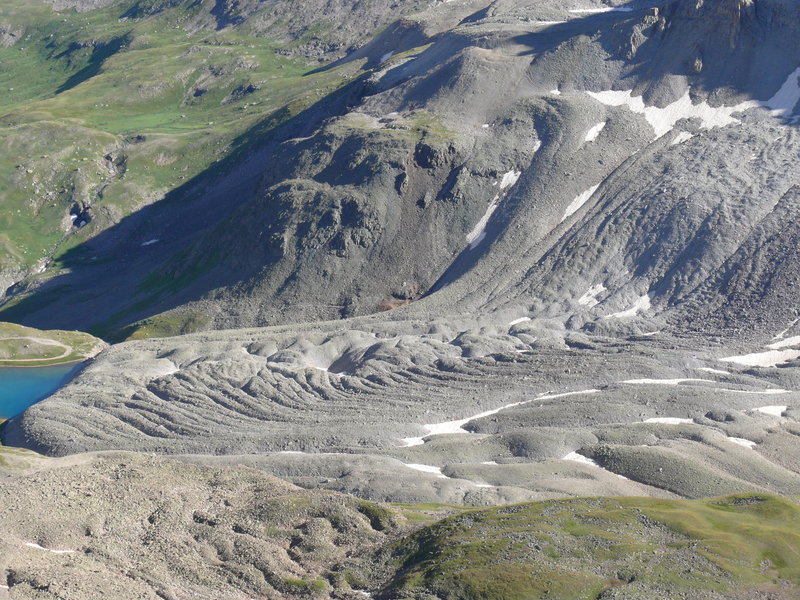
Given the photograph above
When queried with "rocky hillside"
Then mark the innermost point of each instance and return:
(505, 157)
(497, 252)
(118, 106)
(127, 526)
(592, 201)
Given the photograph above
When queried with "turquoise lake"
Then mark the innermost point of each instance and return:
(20, 388)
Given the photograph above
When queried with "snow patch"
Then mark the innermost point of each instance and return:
(742, 442)
(665, 381)
(561, 395)
(575, 457)
(478, 233)
(783, 102)
(771, 392)
(683, 136)
(555, 92)
(592, 134)
(590, 297)
(38, 547)
(775, 411)
(149, 242)
(643, 303)
(387, 56)
(771, 358)
(579, 201)
(790, 341)
(427, 469)
(785, 331)
(715, 371)
(450, 427)
(605, 9)
(510, 179)
(518, 321)
(662, 120)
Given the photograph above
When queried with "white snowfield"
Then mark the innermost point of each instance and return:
(770, 358)
(783, 333)
(594, 132)
(683, 136)
(478, 233)
(427, 469)
(518, 321)
(605, 9)
(715, 371)
(579, 201)
(589, 299)
(38, 547)
(510, 179)
(790, 341)
(575, 457)
(742, 442)
(663, 120)
(449, 427)
(438, 472)
(775, 411)
(770, 392)
(642, 303)
(780, 351)
(666, 381)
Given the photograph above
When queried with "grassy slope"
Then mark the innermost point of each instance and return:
(161, 103)
(582, 548)
(17, 349)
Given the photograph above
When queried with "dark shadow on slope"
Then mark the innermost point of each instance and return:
(100, 53)
(117, 277)
(716, 45)
(399, 37)
(151, 8)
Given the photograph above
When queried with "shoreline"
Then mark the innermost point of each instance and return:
(60, 364)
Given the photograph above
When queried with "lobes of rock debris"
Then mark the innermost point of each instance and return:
(572, 201)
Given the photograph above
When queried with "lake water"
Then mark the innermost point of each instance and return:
(20, 388)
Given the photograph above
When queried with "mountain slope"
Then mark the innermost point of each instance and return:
(583, 220)
(487, 146)
(124, 106)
